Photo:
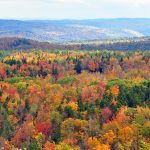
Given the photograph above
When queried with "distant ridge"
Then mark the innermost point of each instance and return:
(13, 43)
(60, 31)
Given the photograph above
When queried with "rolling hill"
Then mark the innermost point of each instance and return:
(75, 30)
(13, 43)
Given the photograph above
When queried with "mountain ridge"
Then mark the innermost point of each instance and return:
(14, 43)
(59, 31)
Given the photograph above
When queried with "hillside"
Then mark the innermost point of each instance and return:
(118, 44)
(73, 30)
(75, 100)
(13, 43)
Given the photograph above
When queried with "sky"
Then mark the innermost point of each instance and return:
(74, 9)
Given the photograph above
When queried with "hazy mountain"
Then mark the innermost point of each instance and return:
(75, 30)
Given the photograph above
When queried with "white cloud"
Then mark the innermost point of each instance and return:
(65, 1)
(72, 1)
(74, 8)
(92, 2)
(131, 2)
(80, 1)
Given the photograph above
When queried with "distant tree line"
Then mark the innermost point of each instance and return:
(13, 43)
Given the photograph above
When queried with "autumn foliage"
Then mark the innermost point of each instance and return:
(72, 100)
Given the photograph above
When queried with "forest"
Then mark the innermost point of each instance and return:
(74, 100)
(124, 44)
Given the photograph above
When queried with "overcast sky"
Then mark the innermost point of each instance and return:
(74, 9)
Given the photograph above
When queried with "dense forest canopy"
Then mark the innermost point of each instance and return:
(71, 100)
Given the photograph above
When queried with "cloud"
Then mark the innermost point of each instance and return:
(88, 2)
(133, 2)
(74, 8)
(72, 1)
(63, 1)
(81, 1)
